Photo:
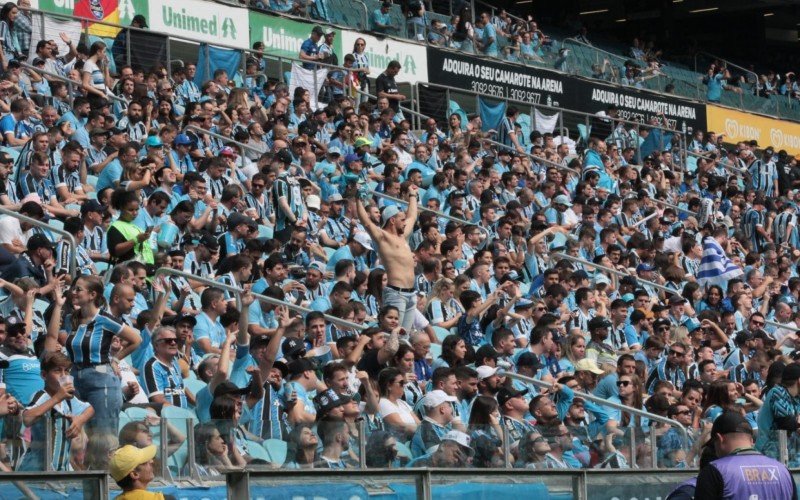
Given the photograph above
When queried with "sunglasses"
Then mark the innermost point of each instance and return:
(758, 323)
(678, 354)
(169, 341)
(623, 383)
(683, 412)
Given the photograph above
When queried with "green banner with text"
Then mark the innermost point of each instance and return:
(283, 37)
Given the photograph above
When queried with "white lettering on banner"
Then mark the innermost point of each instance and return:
(280, 40)
(733, 129)
(779, 139)
(653, 106)
(201, 20)
(499, 75)
(412, 57)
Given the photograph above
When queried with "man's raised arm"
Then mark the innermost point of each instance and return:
(411, 215)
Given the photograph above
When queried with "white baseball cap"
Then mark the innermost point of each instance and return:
(313, 201)
(363, 239)
(437, 397)
(485, 372)
(460, 438)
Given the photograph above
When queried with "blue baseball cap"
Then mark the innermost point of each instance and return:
(182, 139)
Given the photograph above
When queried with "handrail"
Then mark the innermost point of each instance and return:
(604, 402)
(724, 164)
(727, 63)
(611, 270)
(222, 138)
(549, 108)
(778, 325)
(531, 157)
(65, 79)
(426, 209)
(401, 107)
(676, 207)
(73, 246)
(261, 298)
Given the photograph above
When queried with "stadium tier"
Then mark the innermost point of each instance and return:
(344, 248)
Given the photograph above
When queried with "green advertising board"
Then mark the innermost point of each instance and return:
(283, 37)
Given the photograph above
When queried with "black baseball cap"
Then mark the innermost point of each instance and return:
(731, 422)
(208, 241)
(186, 318)
(259, 340)
(293, 349)
(92, 206)
(598, 322)
(328, 400)
(504, 394)
(6, 158)
(529, 359)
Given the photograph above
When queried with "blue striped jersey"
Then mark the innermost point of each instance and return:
(90, 343)
(159, 378)
(59, 423)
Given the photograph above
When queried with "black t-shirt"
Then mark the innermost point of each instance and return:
(114, 238)
(385, 83)
(370, 364)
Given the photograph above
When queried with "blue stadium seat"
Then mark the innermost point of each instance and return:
(265, 232)
(276, 450)
(441, 333)
(194, 385)
(257, 451)
(436, 350)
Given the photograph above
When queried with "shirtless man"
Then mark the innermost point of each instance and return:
(396, 255)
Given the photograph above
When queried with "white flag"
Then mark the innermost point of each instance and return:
(309, 79)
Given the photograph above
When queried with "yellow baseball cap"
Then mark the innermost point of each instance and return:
(127, 458)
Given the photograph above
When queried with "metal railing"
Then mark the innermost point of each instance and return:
(753, 81)
(603, 402)
(584, 117)
(227, 140)
(613, 271)
(261, 298)
(532, 158)
(70, 83)
(70, 240)
(94, 483)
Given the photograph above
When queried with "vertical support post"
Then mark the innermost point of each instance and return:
(128, 46)
(783, 447)
(169, 58)
(48, 443)
(633, 447)
(506, 448)
(362, 444)
(164, 448)
(192, 458)
(653, 448)
(238, 484)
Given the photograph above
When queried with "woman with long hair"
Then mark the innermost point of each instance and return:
(463, 37)
(95, 77)
(360, 69)
(88, 346)
(210, 450)
(484, 420)
(443, 310)
(165, 114)
(629, 388)
(9, 45)
(376, 280)
(226, 413)
(712, 299)
(398, 416)
(573, 349)
(454, 352)
(454, 130)
(693, 293)
(403, 360)
(720, 396)
(99, 450)
(302, 447)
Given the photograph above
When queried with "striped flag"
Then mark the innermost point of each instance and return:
(715, 267)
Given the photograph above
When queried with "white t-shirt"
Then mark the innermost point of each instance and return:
(10, 230)
(386, 408)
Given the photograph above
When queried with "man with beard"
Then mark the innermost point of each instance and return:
(112, 173)
(133, 123)
(66, 177)
(8, 192)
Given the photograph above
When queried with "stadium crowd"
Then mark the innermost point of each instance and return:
(435, 268)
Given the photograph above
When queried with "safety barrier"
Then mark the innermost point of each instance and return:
(70, 240)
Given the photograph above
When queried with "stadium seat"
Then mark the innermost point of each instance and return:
(329, 252)
(101, 266)
(265, 232)
(256, 451)
(404, 451)
(177, 415)
(436, 350)
(441, 333)
(91, 180)
(194, 385)
(276, 450)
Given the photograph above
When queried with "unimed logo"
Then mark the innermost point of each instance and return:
(280, 40)
(212, 26)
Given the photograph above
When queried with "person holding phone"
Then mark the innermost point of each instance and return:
(126, 240)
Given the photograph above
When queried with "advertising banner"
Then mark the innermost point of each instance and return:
(637, 105)
(738, 126)
(381, 51)
(283, 37)
(493, 78)
(110, 11)
(199, 20)
(539, 86)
